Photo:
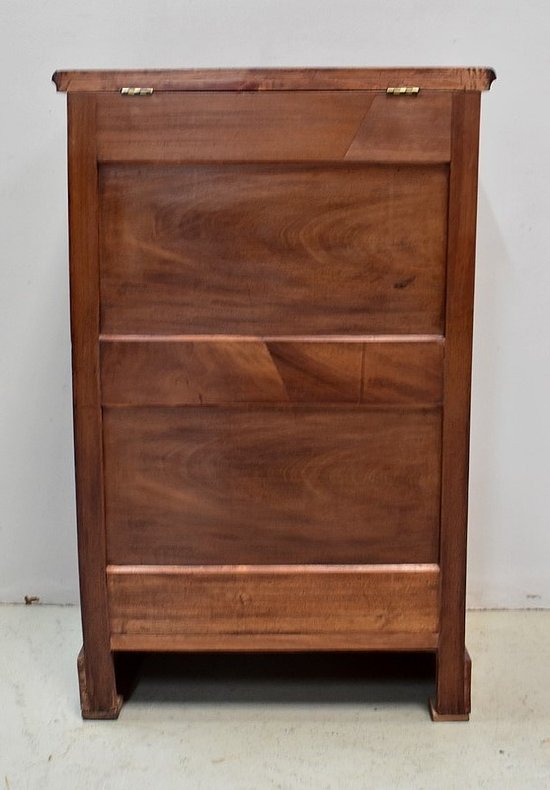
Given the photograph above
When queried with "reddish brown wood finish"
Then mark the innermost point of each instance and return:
(179, 372)
(271, 485)
(300, 602)
(420, 131)
(367, 641)
(448, 79)
(402, 373)
(98, 695)
(463, 713)
(453, 694)
(316, 126)
(244, 127)
(286, 249)
(271, 307)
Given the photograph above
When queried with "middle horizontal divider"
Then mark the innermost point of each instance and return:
(379, 370)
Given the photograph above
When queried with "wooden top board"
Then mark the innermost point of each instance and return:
(452, 79)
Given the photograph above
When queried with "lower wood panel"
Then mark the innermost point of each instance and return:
(274, 607)
(271, 484)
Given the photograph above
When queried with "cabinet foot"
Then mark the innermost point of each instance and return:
(88, 708)
(436, 716)
(439, 711)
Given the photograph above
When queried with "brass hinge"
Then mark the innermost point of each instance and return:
(136, 91)
(403, 90)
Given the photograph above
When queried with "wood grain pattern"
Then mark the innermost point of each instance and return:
(464, 713)
(275, 126)
(412, 131)
(273, 251)
(318, 372)
(193, 372)
(270, 370)
(271, 484)
(453, 79)
(403, 373)
(96, 670)
(271, 309)
(452, 698)
(280, 643)
(220, 127)
(286, 601)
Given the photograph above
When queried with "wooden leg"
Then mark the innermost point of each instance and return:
(98, 694)
(452, 701)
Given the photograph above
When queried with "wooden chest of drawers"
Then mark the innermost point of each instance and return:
(271, 303)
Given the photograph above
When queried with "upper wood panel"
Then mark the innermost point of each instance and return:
(263, 250)
(274, 126)
(468, 79)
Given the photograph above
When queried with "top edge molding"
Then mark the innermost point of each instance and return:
(449, 79)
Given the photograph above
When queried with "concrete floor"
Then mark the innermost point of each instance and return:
(276, 722)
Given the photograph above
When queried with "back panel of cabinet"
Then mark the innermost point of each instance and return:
(272, 331)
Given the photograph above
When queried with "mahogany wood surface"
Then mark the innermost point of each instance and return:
(286, 601)
(366, 641)
(418, 132)
(182, 372)
(99, 696)
(449, 79)
(271, 308)
(463, 713)
(271, 485)
(453, 697)
(315, 126)
(263, 249)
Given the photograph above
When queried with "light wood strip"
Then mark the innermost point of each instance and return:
(284, 601)
(164, 338)
(275, 642)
